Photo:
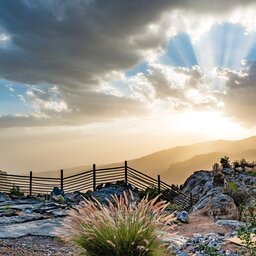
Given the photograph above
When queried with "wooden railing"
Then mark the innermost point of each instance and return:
(93, 179)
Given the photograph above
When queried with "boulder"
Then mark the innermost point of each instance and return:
(250, 180)
(218, 206)
(230, 223)
(195, 184)
(58, 198)
(73, 197)
(228, 171)
(182, 216)
(57, 191)
(4, 197)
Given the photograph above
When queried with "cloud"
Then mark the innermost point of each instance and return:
(74, 46)
(239, 98)
(182, 88)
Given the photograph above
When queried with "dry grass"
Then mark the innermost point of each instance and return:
(121, 228)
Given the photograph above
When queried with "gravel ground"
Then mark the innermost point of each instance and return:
(34, 246)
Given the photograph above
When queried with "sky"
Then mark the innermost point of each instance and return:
(94, 81)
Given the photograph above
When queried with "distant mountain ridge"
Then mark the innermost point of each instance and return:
(176, 164)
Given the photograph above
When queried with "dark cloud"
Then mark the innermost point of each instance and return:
(239, 99)
(75, 44)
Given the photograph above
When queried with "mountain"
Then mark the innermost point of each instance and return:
(177, 173)
(159, 162)
(176, 164)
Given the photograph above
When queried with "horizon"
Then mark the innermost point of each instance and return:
(79, 85)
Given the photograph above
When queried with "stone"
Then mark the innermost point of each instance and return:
(182, 254)
(175, 242)
(220, 207)
(56, 192)
(205, 199)
(196, 182)
(182, 216)
(4, 197)
(230, 223)
(20, 219)
(228, 171)
(207, 186)
(73, 197)
(45, 227)
(57, 212)
(250, 180)
(58, 198)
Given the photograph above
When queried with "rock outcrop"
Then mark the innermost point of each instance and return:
(220, 193)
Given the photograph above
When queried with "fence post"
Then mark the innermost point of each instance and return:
(94, 177)
(125, 172)
(159, 184)
(191, 199)
(61, 179)
(30, 184)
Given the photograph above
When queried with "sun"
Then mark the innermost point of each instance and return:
(211, 123)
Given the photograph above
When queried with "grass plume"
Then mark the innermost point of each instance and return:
(120, 228)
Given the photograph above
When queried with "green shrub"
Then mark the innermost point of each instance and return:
(208, 250)
(247, 232)
(236, 164)
(172, 207)
(225, 162)
(121, 228)
(15, 190)
(151, 192)
(239, 196)
(251, 172)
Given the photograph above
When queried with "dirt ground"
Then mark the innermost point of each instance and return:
(34, 246)
(46, 246)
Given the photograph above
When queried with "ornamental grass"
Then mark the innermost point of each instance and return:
(120, 228)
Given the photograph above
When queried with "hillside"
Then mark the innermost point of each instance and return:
(181, 159)
(177, 173)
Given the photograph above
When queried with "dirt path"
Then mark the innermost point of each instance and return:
(34, 246)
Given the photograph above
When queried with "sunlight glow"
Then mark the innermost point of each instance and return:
(4, 37)
(208, 122)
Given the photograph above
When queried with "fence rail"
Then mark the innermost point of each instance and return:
(92, 179)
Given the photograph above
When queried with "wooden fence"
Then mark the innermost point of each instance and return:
(90, 180)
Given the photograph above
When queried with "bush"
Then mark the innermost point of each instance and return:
(239, 196)
(251, 172)
(247, 232)
(172, 207)
(15, 190)
(225, 162)
(150, 192)
(122, 228)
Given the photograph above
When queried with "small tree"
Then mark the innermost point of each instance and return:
(225, 162)
(236, 164)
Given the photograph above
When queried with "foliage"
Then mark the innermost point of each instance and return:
(251, 172)
(225, 162)
(172, 207)
(218, 179)
(236, 164)
(15, 190)
(151, 192)
(239, 196)
(122, 228)
(246, 232)
(208, 250)
(243, 164)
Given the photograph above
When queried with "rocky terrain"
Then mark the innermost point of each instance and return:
(28, 224)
